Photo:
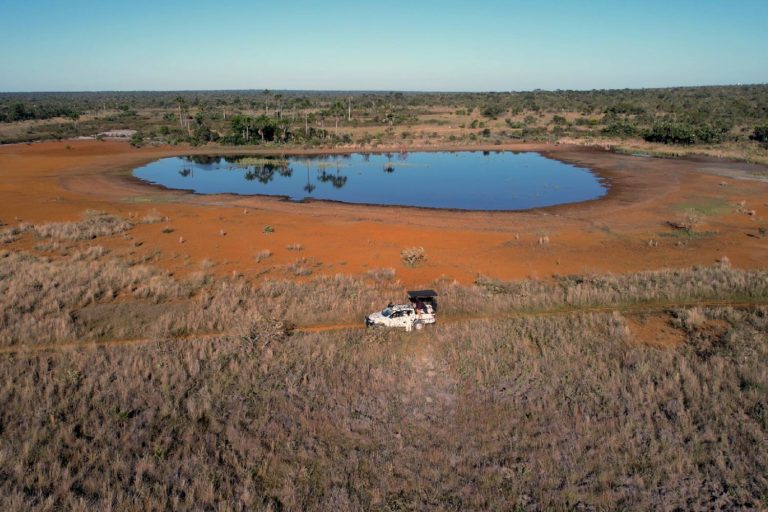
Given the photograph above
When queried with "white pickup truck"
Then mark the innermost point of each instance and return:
(420, 310)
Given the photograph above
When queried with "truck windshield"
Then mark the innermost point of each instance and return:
(386, 312)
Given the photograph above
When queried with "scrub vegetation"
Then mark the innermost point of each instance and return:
(226, 403)
(716, 120)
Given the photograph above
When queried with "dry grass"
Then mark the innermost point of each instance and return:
(300, 267)
(382, 274)
(93, 225)
(262, 255)
(78, 296)
(545, 412)
(536, 414)
(12, 234)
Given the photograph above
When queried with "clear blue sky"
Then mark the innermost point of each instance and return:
(483, 45)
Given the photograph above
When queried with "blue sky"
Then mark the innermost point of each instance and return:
(484, 45)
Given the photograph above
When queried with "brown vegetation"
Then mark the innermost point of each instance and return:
(533, 413)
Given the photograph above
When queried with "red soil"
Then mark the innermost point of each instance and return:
(59, 180)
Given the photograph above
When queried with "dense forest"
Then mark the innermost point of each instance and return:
(682, 115)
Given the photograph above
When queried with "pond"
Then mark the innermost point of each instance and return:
(465, 180)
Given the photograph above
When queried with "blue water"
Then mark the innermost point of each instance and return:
(467, 180)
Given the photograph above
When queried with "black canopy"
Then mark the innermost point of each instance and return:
(422, 294)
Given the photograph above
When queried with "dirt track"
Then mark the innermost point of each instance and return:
(48, 182)
(627, 309)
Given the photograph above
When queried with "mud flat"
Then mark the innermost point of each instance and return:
(626, 230)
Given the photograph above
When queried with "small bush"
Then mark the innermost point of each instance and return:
(262, 255)
(300, 268)
(153, 217)
(413, 256)
(381, 274)
(137, 140)
(493, 111)
(688, 221)
(620, 129)
(760, 133)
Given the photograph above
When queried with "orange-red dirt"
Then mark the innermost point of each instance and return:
(57, 181)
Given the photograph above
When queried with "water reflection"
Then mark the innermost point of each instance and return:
(264, 173)
(309, 187)
(485, 180)
(337, 180)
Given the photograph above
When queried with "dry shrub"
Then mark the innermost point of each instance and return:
(262, 255)
(153, 217)
(300, 267)
(13, 233)
(413, 256)
(381, 274)
(688, 220)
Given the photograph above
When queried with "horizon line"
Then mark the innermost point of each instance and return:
(380, 91)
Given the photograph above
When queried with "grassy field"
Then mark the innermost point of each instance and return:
(529, 395)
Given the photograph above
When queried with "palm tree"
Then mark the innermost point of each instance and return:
(180, 101)
(266, 101)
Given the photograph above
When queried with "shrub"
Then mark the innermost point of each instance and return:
(671, 133)
(620, 129)
(413, 256)
(493, 111)
(137, 140)
(262, 255)
(683, 133)
(559, 120)
(688, 221)
(710, 134)
(153, 217)
(760, 133)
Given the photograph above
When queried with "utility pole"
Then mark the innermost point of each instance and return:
(349, 109)
(306, 123)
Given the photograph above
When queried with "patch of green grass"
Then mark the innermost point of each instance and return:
(688, 235)
(708, 206)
